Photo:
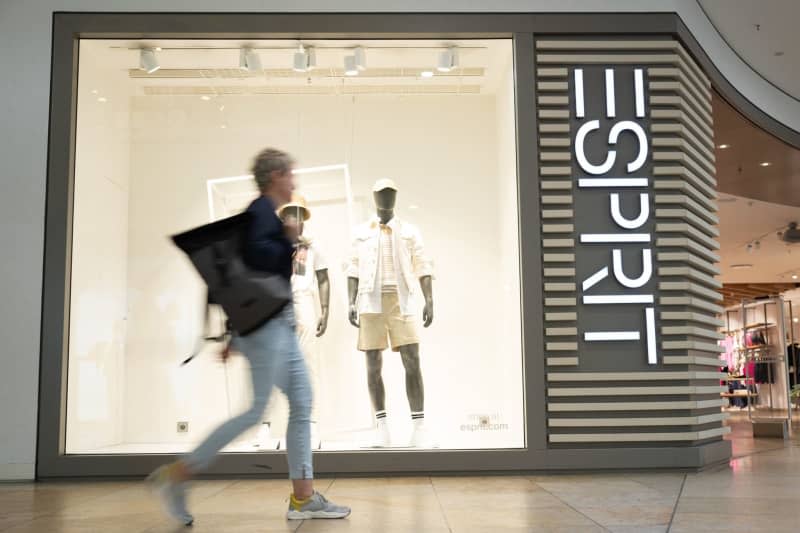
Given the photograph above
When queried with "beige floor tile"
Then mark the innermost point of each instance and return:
(728, 523)
(520, 517)
(531, 529)
(231, 522)
(106, 524)
(10, 519)
(766, 505)
(665, 482)
(45, 498)
(732, 484)
(662, 528)
(614, 500)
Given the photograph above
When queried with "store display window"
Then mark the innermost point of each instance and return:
(406, 280)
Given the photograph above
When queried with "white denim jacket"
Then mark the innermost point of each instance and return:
(410, 263)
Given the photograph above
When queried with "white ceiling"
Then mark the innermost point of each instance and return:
(757, 30)
(744, 221)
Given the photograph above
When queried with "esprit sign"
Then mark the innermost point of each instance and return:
(614, 220)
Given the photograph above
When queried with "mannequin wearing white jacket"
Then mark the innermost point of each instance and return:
(387, 261)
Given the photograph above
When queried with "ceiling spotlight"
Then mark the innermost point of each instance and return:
(796, 320)
(249, 60)
(794, 276)
(148, 61)
(765, 164)
(205, 98)
(300, 63)
(311, 60)
(448, 60)
(723, 146)
(427, 73)
(350, 68)
(360, 56)
(102, 99)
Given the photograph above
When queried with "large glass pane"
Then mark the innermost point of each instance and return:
(162, 152)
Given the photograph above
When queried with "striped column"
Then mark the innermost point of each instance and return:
(678, 399)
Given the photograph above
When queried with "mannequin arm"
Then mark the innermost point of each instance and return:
(426, 283)
(352, 292)
(324, 285)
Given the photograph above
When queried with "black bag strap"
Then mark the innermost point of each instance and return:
(206, 335)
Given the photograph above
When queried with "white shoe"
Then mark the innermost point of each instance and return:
(381, 438)
(421, 437)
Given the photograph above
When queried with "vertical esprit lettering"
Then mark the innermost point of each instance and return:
(630, 229)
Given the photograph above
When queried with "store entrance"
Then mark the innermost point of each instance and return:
(759, 207)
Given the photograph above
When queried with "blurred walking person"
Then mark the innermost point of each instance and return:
(274, 356)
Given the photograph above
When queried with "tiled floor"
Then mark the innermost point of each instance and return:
(759, 491)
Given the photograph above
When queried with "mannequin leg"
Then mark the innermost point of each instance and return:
(415, 390)
(377, 392)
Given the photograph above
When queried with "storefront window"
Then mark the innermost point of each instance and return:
(163, 151)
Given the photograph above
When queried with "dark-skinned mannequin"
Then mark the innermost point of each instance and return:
(385, 200)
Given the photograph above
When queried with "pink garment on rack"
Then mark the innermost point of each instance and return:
(728, 356)
(750, 369)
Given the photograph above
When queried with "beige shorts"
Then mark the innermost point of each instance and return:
(378, 331)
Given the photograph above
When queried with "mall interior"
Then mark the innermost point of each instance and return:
(605, 197)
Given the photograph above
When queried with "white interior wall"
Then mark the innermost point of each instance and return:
(99, 259)
(442, 155)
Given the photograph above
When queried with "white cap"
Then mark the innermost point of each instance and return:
(382, 184)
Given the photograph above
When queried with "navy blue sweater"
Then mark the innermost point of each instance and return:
(266, 247)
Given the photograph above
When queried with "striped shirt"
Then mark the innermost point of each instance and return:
(388, 274)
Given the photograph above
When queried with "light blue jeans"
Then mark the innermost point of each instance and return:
(275, 360)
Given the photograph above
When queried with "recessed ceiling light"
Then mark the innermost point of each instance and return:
(205, 98)
(796, 320)
(765, 163)
(794, 276)
(95, 91)
(224, 127)
(413, 207)
(102, 99)
(427, 73)
(723, 146)
(157, 48)
(742, 266)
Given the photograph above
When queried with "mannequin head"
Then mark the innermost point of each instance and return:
(295, 209)
(385, 194)
(295, 213)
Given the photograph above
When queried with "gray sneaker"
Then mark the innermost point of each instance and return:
(316, 507)
(171, 494)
